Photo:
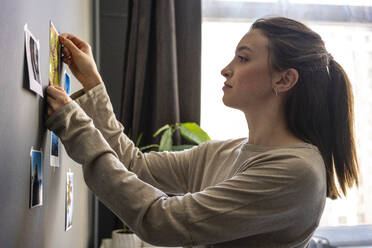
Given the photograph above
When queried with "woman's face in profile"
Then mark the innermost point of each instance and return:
(248, 77)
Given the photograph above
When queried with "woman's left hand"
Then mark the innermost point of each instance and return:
(56, 98)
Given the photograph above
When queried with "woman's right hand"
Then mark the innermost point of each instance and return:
(77, 54)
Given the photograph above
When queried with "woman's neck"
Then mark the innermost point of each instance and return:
(270, 129)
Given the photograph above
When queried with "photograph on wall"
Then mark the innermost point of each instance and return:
(33, 61)
(69, 199)
(54, 150)
(55, 62)
(36, 189)
(67, 85)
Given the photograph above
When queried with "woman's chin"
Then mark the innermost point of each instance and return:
(227, 102)
(232, 103)
(224, 100)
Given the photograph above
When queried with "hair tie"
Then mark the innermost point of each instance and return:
(329, 59)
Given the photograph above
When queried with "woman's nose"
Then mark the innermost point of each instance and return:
(226, 72)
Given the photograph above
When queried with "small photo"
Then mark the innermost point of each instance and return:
(54, 57)
(69, 199)
(33, 61)
(36, 192)
(54, 150)
(34, 50)
(67, 83)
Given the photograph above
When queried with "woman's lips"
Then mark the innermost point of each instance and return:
(227, 85)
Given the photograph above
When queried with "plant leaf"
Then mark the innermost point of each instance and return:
(125, 228)
(148, 147)
(181, 147)
(166, 141)
(139, 139)
(193, 133)
(161, 130)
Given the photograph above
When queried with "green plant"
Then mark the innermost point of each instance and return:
(126, 229)
(190, 131)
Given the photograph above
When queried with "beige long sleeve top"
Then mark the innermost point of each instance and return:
(233, 194)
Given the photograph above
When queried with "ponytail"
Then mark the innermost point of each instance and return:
(342, 145)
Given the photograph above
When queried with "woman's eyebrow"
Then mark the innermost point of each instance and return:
(244, 48)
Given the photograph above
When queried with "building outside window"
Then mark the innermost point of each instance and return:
(346, 28)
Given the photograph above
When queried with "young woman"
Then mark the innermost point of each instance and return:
(265, 191)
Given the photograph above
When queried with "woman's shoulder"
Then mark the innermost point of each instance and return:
(301, 150)
(299, 158)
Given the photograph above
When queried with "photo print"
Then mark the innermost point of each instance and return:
(54, 150)
(69, 199)
(67, 85)
(55, 62)
(36, 189)
(33, 61)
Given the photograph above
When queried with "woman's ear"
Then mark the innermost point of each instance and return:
(288, 78)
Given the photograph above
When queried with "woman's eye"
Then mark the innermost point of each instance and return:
(242, 59)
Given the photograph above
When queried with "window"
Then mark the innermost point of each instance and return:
(333, 2)
(347, 32)
(342, 220)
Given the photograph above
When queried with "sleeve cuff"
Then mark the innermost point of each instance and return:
(77, 94)
(81, 97)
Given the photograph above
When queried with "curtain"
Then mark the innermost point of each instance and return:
(150, 59)
(162, 66)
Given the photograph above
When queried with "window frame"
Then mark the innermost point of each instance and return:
(248, 10)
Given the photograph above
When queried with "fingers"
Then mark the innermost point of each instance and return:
(58, 94)
(53, 92)
(69, 46)
(49, 110)
(80, 44)
(66, 56)
(72, 37)
(66, 52)
(59, 87)
(56, 98)
(67, 60)
(52, 103)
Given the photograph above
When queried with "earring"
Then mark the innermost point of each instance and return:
(276, 93)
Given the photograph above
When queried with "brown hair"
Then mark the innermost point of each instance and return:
(319, 108)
